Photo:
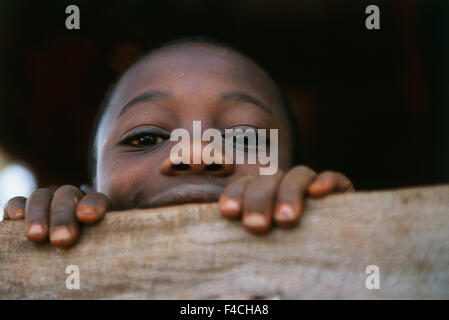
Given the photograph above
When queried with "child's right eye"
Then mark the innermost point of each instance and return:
(143, 140)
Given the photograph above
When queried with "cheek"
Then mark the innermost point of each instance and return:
(123, 181)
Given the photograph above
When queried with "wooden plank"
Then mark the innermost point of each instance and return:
(191, 252)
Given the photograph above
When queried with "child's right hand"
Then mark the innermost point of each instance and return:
(56, 215)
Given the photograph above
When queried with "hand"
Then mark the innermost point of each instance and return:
(258, 200)
(56, 215)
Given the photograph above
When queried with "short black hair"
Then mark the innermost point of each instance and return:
(294, 127)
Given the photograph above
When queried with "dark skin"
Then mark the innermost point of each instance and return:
(175, 86)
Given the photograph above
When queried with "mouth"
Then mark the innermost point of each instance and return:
(186, 193)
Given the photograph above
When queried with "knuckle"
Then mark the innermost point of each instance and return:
(262, 185)
(236, 184)
(245, 179)
(42, 192)
(335, 175)
(344, 177)
(328, 176)
(68, 193)
(304, 170)
(100, 196)
(94, 200)
(14, 202)
(68, 188)
(18, 199)
(261, 190)
(328, 173)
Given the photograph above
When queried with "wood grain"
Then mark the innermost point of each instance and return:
(191, 252)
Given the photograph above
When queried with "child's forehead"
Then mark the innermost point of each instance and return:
(196, 62)
(195, 68)
(196, 55)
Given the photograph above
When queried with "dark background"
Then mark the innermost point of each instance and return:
(370, 103)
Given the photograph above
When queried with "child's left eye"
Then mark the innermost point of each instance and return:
(143, 140)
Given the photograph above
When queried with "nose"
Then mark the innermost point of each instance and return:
(222, 169)
(216, 169)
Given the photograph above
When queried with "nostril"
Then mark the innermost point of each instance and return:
(181, 167)
(214, 167)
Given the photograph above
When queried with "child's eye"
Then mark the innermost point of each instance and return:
(143, 140)
(242, 141)
(144, 137)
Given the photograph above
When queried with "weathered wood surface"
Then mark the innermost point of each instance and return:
(191, 252)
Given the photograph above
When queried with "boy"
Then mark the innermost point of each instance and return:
(181, 82)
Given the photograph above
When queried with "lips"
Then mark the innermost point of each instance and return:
(186, 193)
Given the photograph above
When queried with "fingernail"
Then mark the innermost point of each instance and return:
(60, 234)
(231, 206)
(285, 213)
(316, 185)
(19, 213)
(35, 229)
(255, 220)
(87, 210)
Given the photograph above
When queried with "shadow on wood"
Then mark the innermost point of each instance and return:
(191, 252)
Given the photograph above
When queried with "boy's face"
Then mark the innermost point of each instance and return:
(174, 87)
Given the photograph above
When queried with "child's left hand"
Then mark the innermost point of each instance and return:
(258, 200)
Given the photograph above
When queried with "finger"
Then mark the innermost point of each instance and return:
(92, 207)
(5, 212)
(330, 181)
(64, 227)
(230, 202)
(290, 197)
(15, 208)
(37, 211)
(258, 203)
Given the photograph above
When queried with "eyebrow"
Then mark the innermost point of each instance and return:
(244, 97)
(158, 95)
(148, 96)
